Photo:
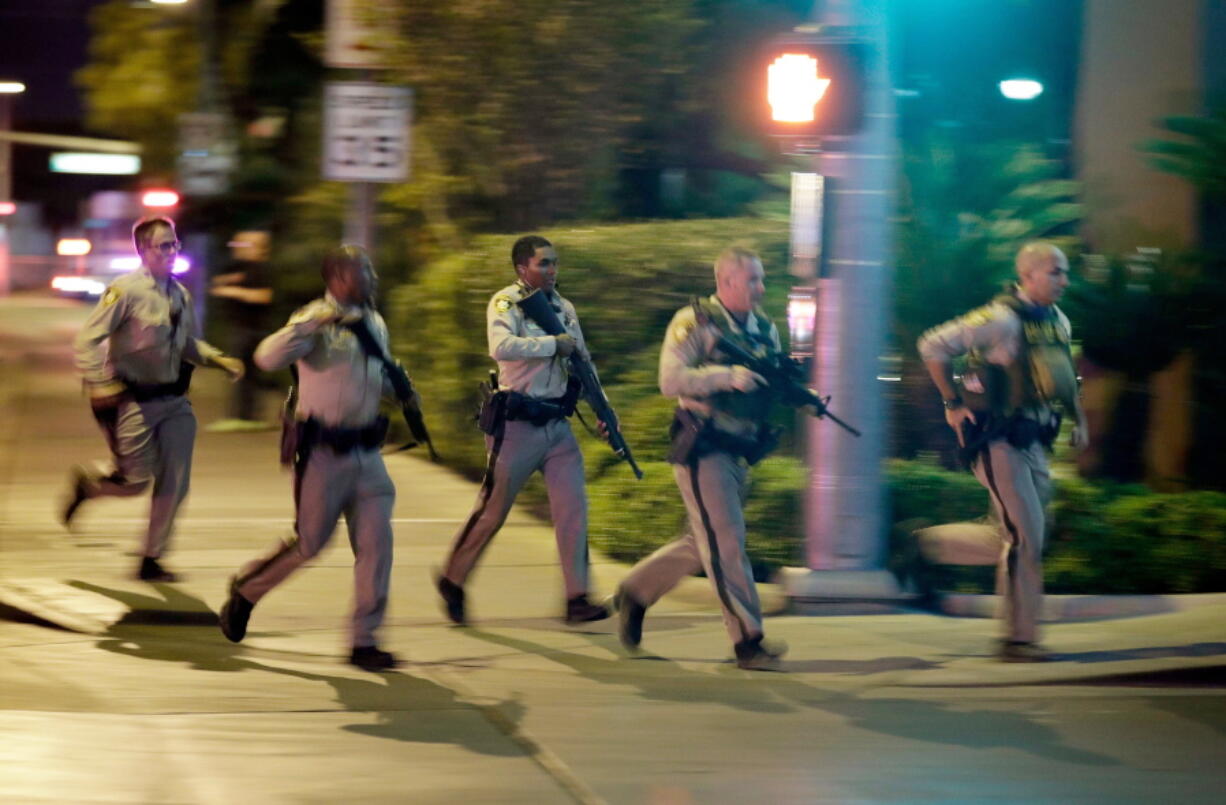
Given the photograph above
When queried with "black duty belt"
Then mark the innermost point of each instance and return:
(144, 392)
(538, 412)
(313, 433)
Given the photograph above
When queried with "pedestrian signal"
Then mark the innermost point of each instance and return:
(814, 88)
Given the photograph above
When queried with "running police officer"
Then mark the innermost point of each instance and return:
(719, 430)
(136, 352)
(1006, 414)
(337, 465)
(526, 430)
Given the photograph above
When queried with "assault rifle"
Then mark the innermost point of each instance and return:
(401, 386)
(536, 307)
(785, 377)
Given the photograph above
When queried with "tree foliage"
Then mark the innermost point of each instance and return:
(1197, 153)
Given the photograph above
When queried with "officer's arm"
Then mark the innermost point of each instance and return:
(683, 370)
(296, 339)
(503, 319)
(89, 353)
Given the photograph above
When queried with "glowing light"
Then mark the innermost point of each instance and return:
(99, 164)
(85, 285)
(159, 198)
(182, 264)
(11, 87)
(125, 263)
(1021, 89)
(72, 247)
(802, 314)
(793, 88)
(8, 207)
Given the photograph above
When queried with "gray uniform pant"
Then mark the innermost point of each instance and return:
(1020, 487)
(149, 441)
(520, 450)
(714, 490)
(355, 484)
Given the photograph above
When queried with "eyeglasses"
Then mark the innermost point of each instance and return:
(167, 247)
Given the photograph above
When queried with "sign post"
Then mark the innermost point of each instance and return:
(366, 139)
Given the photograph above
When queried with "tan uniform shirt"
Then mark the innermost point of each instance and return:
(338, 383)
(527, 356)
(689, 373)
(140, 331)
(994, 331)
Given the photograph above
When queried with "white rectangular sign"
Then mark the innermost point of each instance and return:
(366, 132)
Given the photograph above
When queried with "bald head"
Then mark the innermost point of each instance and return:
(1042, 272)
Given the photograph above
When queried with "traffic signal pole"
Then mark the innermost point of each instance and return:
(845, 504)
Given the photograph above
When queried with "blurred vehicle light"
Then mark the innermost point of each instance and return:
(159, 198)
(72, 247)
(85, 285)
(131, 263)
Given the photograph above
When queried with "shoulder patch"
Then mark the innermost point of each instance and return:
(110, 297)
(502, 303)
(979, 316)
(683, 324)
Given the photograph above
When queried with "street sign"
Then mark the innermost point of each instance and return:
(366, 132)
(206, 154)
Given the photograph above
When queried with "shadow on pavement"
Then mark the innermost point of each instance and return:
(666, 680)
(1144, 653)
(937, 722)
(174, 608)
(880, 665)
(407, 707)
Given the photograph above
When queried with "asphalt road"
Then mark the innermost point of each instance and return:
(140, 700)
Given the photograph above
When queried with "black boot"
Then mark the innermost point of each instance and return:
(580, 610)
(453, 599)
(76, 495)
(759, 654)
(151, 570)
(630, 614)
(371, 658)
(234, 614)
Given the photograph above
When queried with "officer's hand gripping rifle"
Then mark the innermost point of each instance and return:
(536, 307)
(785, 377)
(401, 386)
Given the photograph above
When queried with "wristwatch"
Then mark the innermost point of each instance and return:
(952, 403)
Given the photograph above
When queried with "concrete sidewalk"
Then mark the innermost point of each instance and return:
(80, 581)
(120, 691)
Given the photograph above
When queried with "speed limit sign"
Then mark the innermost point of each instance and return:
(366, 132)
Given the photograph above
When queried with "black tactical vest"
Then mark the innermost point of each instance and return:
(1041, 374)
(755, 405)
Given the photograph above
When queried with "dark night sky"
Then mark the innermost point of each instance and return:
(41, 43)
(952, 50)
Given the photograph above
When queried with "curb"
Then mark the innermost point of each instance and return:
(1070, 608)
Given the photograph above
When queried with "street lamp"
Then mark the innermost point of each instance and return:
(1020, 89)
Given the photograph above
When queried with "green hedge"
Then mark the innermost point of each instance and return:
(626, 282)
